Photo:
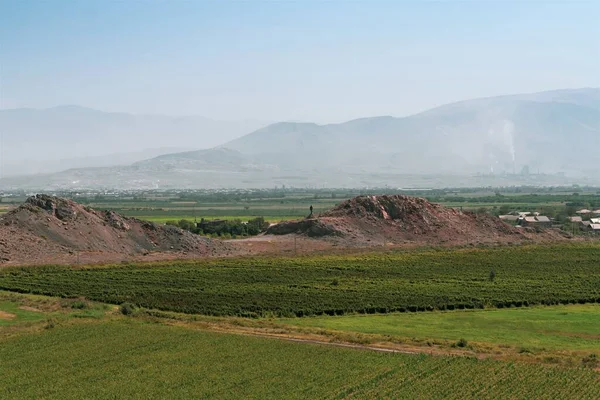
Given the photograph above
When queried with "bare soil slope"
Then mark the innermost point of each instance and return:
(45, 228)
(400, 219)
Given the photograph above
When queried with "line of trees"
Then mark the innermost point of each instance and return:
(223, 228)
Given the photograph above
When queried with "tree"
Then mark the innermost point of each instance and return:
(571, 210)
(548, 211)
(492, 275)
(504, 209)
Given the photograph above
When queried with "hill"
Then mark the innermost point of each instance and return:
(397, 219)
(67, 137)
(52, 229)
(547, 138)
(500, 134)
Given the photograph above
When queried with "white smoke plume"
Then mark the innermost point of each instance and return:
(509, 137)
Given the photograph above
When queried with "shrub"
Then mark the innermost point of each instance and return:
(462, 343)
(127, 308)
(79, 305)
(524, 350)
(591, 361)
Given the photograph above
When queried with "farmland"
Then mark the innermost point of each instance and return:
(11, 314)
(125, 358)
(97, 352)
(376, 282)
(557, 328)
(283, 204)
(471, 322)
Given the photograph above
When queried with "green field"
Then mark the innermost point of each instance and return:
(484, 342)
(16, 315)
(379, 282)
(273, 209)
(284, 203)
(572, 327)
(122, 358)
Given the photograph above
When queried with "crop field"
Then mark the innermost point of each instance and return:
(571, 327)
(284, 204)
(271, 213)
(378, 282)
(272, 209)
(127, 358)
(11, 314)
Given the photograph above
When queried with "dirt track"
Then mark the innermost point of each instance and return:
(5, 315)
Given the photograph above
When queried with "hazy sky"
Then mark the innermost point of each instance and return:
(302, 60)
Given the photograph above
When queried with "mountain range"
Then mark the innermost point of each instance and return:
(65, 137)
(555, 133)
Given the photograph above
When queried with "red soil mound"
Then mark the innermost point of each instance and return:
(45, 226)
(399, 219)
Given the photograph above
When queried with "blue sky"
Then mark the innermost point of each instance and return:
(302, 60)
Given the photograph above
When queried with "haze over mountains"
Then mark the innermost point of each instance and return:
(555, 133)
(60, 138)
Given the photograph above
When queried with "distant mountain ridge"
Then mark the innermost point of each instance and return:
(492, 134)
(555, 132)
(59, 138)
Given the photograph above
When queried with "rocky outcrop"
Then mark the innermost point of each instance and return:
(368, 220)
(411, 213)
(47, 224)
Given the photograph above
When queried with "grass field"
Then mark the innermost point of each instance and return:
(276, 205)
(572, 327)
(273, 210)
(124, 358)
(369, 283)
(13, 314)
(71, 347)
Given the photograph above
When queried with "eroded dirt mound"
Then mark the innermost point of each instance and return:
(398, 219)
(410, 213)
(46, 225)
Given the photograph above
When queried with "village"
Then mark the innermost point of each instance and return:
(585, 221)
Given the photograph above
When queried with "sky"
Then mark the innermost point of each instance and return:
(302, 60)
